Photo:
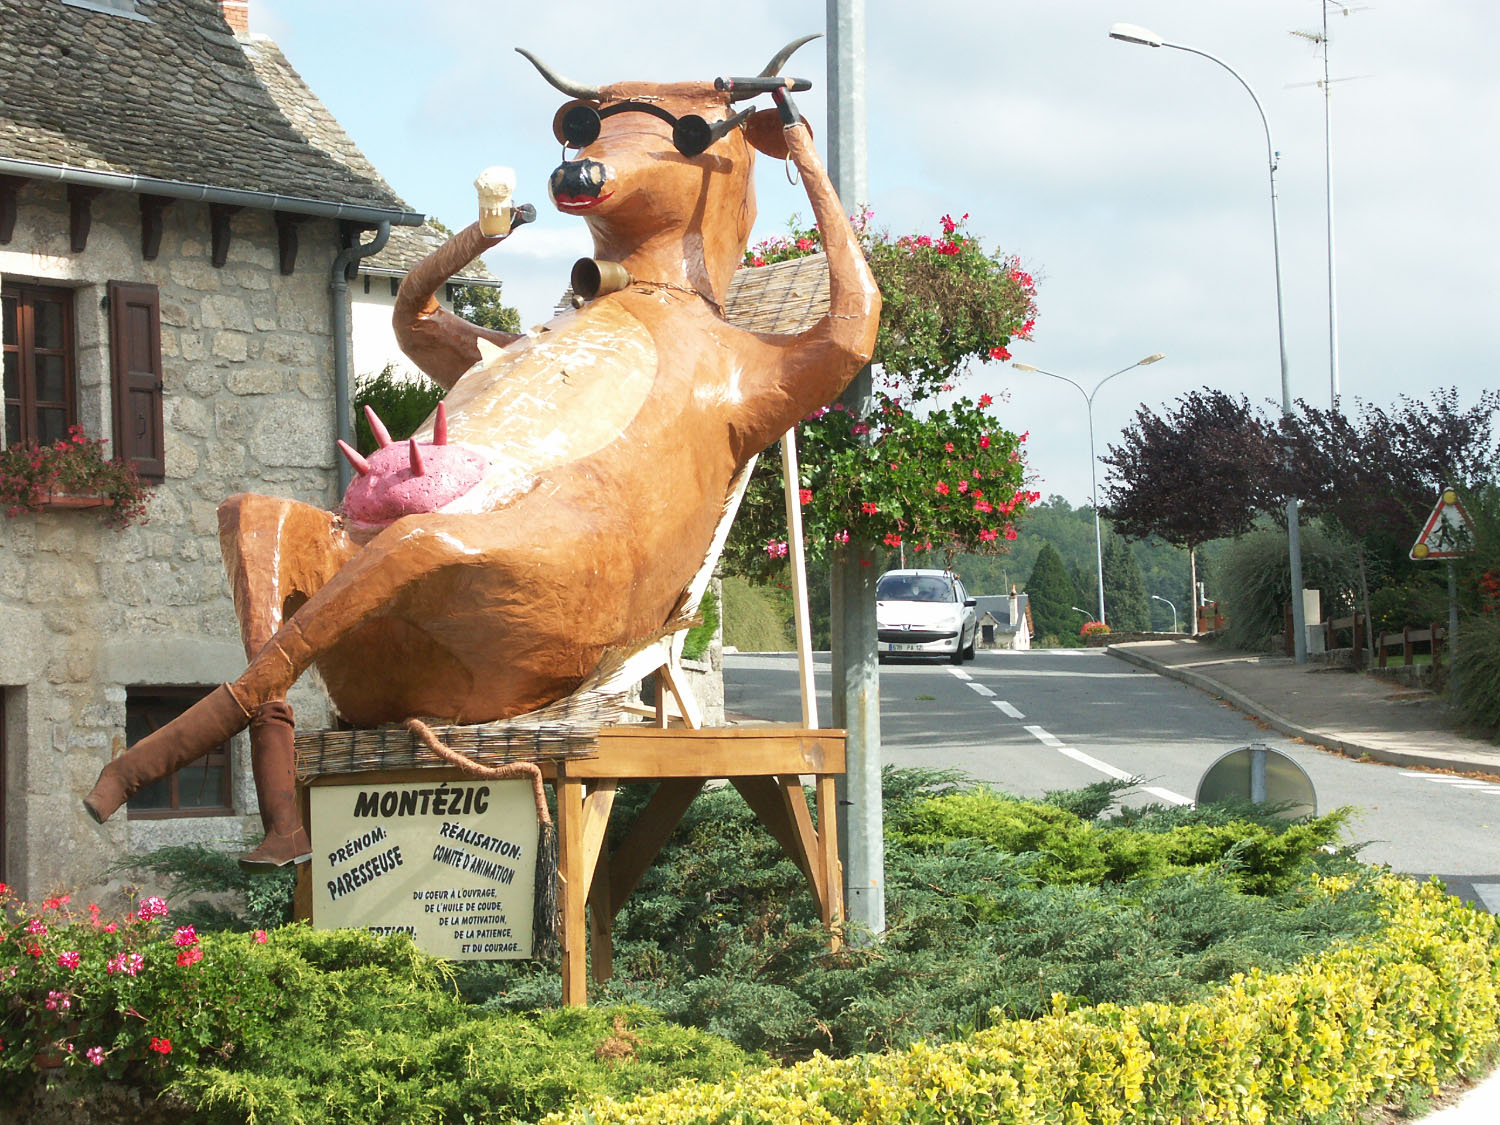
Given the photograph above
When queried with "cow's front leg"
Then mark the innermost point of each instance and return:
(403, 556)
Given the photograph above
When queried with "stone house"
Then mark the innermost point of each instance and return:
(1004, 620)
(181, 224)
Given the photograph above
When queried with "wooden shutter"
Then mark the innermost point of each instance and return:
(135, 365)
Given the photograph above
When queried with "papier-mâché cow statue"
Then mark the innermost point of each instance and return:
(565, 502)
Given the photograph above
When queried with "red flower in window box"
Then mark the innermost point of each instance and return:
(72, 472)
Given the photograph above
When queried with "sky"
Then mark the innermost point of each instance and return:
(1132, 182)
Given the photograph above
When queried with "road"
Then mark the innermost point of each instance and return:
(1029, 722)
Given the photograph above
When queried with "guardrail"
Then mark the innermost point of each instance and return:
(1433, 636)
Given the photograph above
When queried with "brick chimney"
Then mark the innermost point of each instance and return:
(237, 15)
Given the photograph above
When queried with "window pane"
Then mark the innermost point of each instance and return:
(12, 425)
(200, 785)
(10, 321)
(51, 378)
(157, 795)
(51, 425)
(47, 324)
(12, 375)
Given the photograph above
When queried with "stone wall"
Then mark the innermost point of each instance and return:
(86, 610)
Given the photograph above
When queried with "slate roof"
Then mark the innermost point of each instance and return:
(998, 607)
(172, 96)
(407, 245)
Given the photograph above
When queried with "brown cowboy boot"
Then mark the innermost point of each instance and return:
(273, 762)
(215, 718)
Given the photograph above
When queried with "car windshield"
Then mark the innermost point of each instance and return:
(913, 588)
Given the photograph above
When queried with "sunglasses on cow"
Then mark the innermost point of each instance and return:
(691, 135)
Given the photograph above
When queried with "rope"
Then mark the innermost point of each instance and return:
(489, 773)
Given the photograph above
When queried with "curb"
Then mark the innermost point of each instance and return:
(1295, 730)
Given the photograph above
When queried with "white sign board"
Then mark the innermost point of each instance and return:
(451, 863)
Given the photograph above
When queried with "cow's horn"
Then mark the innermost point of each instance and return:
(778, 61)
(566, 85)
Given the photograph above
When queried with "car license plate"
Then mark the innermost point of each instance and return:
(902, 648)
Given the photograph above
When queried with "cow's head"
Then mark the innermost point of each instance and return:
(657, 163)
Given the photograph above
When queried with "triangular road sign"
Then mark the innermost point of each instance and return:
(1448, 533)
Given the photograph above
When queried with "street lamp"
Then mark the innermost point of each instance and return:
(1088, 400)
(1085, 612)
(1158, 598)
(1130, 33)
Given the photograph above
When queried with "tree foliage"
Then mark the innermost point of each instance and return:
(918, 468)
(1124, 592)
(1051, 593)
(1199, 472)
(402, 404)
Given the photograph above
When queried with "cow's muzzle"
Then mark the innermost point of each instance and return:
(579, 184)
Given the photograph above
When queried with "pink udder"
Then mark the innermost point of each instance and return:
(394, 487)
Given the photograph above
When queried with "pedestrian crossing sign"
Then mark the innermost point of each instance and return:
(1448, 533)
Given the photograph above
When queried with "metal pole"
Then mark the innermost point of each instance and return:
(1333, 319)
(856, 670)
(1094, 482)
(1452, 632)
(1294, 532)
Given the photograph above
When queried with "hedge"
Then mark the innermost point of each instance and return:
(1409, 1009)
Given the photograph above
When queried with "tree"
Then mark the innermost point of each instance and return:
(1124, 592)
(1201, 472)
(919, 469)
(1372, 477)
(1051, 594)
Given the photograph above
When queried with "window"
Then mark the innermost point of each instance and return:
(39, 365)
(198, 789)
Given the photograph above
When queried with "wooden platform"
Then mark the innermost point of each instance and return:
(766, 764)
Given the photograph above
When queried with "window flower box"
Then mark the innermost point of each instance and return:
(70, 473)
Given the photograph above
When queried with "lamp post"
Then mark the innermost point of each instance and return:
(1088, 401)
(1085, 612)
(1130, 33)
(1158, 598)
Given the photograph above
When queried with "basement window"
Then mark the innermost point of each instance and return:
(200, 788)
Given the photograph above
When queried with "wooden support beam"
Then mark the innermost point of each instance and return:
(219, 215)
(10, 188)
(601, 923)
(152, 207)
(572, 891)
(687, 702)
(596, 809)
(286, 240)
(828, 854)
(80, 215)
(763, 795)
(657, 822)
(804, 836)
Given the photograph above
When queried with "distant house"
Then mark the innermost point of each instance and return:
(1004, 620)
(181, 231)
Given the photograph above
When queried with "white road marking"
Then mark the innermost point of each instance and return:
(960, 673)
(1008, 709)
(982, 690)
(1051, 740)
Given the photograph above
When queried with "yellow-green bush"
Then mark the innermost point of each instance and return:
(1415, 1006)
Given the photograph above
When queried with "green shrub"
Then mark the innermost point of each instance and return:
(211, 891)
(1478, 671)
(402, 404)
(298, 1025)
(1256, 580)
(754, 619)
(1400, 1011)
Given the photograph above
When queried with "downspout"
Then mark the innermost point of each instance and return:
(345, 266)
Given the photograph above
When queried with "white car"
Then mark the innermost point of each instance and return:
(924, 613)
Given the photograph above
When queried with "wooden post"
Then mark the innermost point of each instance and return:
(572, 890)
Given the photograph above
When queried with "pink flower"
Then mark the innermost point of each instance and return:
(189, 957)
(859, 428)
(816, 414)
(260, 937)
(989, 535)
(841, 536)
(942, 488)
(185, 936)
(161, 1046)
(805, 244)
(984, 441)
(963, 486)
(152, 907)
(892, 539)
(949, 226)
(948, 248)
(128, 963)
(984, 400)
(69, 960)
(869, 509)
(58, 1000)
(776, 548)
(95, 1055)
(37, 926)
(983, 506)
(109, 927)
(1010, 532)
(947, 447)
(999, 353)
(804, 495)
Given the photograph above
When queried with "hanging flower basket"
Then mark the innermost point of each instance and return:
(71, 473)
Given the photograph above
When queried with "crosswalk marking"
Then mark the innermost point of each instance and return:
(1007, 708)
(982, 690)
(1051, 740)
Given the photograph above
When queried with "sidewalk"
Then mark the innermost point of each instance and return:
(1356, 713)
